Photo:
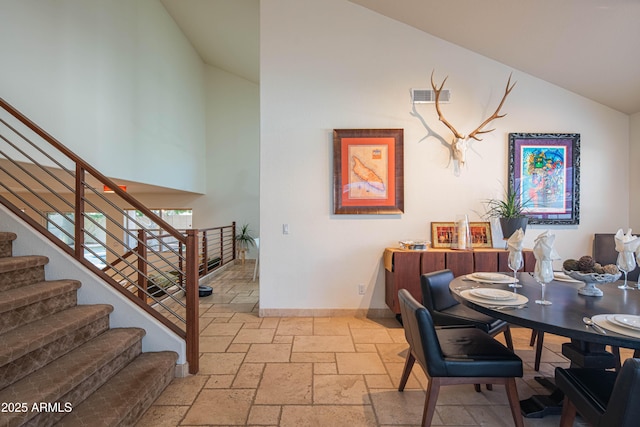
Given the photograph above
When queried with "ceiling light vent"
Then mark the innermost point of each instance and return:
(428, 96)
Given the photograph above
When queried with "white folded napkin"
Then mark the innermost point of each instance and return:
(543, 247)
(626, 242)
(515, 242)
(544, 253)
(514, 246)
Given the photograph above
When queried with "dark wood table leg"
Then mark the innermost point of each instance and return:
(588, 355)
(582, 355)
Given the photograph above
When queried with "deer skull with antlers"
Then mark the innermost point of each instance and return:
(459, 144)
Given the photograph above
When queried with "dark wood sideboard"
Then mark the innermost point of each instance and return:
(404, 267)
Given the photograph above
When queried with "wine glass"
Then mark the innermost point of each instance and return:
(515, 263)
(626, 262)
(543, 274)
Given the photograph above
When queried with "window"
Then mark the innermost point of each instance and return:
(179, 219)
(62, 226)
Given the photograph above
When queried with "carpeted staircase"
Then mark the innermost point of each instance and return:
(60, 363)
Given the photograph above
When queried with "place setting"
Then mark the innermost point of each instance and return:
(495, 298)
(625, 324)
(491, 278)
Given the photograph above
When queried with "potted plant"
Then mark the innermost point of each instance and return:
(244, 240)
(510, 211)
(158, 284)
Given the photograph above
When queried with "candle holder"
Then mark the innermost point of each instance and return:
(461, 238)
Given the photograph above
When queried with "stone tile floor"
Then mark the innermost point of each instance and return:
(338, 371)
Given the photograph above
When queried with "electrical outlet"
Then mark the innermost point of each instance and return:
(361, 289)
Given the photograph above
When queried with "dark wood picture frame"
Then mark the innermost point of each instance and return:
(545, 168)
(368, 175)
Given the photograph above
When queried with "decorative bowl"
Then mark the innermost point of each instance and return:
(415, 245)
(590, 280)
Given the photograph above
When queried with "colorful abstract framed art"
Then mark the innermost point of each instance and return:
(545, 168)
(368, 175)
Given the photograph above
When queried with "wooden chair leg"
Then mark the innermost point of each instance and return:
(616, 353)
(568, 413)
(433, 389)
(477, 388)
(507, 338)
(408, 365)
(514, 401)
(539, 343)
(489, 386)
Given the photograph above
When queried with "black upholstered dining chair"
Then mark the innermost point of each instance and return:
(455, 355)
(604, 252)
(603, 398)
(445, 310)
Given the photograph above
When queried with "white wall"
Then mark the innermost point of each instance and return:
(634, 173)
(116, 81)
(232, 158)
(233, 151)
(332, 64)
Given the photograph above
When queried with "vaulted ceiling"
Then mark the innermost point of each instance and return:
(225, 33)
(589, 47)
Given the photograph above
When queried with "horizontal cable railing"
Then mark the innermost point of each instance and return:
(158, 279)
(57, 193)
(217, 247)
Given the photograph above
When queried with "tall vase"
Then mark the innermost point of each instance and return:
(461, 239)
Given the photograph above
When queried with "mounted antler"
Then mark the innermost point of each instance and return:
(459, 145)
(437, 91)
(495, 115)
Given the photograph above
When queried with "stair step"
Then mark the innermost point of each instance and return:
(69, 379)
(32, 346)
(61, 361)
(7, 236)
(6, 243)
(19, 271)
(26, 304)
(123, 399)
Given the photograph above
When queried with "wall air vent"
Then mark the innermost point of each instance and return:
(428, 96)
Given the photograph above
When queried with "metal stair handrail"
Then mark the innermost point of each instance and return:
(41, 179)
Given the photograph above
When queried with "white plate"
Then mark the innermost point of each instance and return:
(493, 294)
(496, 278)
(626, 320)
(517, 300)
(602, 320)
(488, 276)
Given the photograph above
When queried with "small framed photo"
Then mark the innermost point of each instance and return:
(368, 176)
(480, 235)
(442, 234)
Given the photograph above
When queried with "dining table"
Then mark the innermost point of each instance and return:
(616, 315)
